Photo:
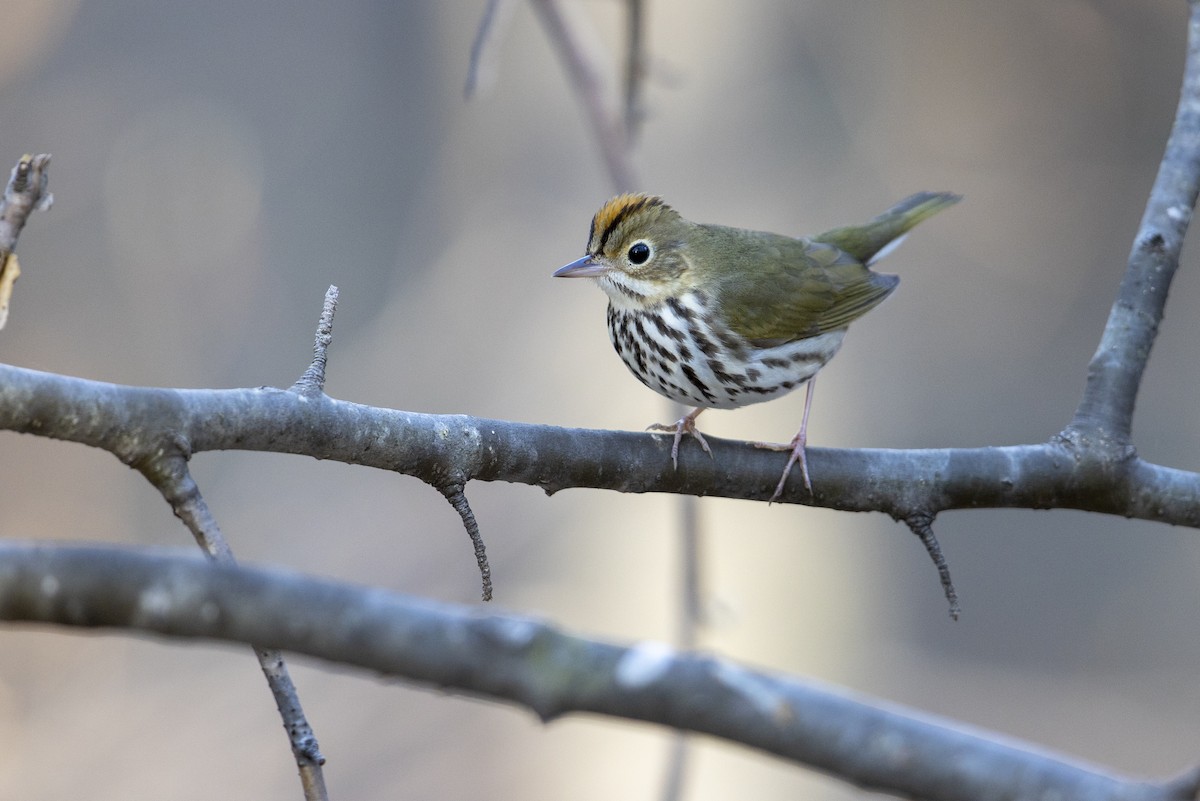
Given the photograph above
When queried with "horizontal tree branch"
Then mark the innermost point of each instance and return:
(532, 664)
(136, 423)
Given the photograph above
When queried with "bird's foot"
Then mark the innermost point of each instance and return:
(684, 425)
(797, 447)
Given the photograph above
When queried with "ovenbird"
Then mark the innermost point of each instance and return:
(718, 318)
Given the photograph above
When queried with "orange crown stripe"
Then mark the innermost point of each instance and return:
(613, 212)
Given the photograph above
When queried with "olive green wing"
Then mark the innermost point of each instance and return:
(776, 289)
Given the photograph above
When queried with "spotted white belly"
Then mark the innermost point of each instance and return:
(679, 351)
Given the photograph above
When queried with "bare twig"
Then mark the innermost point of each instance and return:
(691, 578)
(312, 382)
(534, 665)
(453, 493)
(615, 138)
(921, 524)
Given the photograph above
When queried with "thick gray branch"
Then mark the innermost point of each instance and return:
(532, 664)
(132, 422)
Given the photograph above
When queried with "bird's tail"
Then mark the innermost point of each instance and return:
(869, 242)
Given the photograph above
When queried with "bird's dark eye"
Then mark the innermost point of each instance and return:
(639, 253)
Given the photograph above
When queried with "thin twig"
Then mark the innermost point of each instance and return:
(458, 499)
(614, 140)
(921, 524)
(691, 579)
(312, 382)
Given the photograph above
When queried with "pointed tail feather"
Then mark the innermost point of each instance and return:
(868, 242)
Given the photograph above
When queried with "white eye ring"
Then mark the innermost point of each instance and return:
(639, 253)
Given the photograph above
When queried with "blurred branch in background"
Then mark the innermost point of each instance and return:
(574, 41)
(635, 67)
(567, 31)
(507, 658)
(481, 70)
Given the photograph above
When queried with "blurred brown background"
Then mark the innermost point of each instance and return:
(217, 165)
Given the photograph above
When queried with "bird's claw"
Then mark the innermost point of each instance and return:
(686, 424)
(798, 454)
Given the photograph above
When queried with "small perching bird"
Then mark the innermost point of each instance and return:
(719, 318)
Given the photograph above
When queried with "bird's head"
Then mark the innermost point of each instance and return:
(637, 251)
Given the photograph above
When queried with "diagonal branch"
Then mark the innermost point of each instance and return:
(534, 665)
(1105, 415)
(167, 470)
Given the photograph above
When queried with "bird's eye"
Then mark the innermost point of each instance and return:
(639, 253)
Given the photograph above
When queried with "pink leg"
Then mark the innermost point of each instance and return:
(684, 424)
(798, 445)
